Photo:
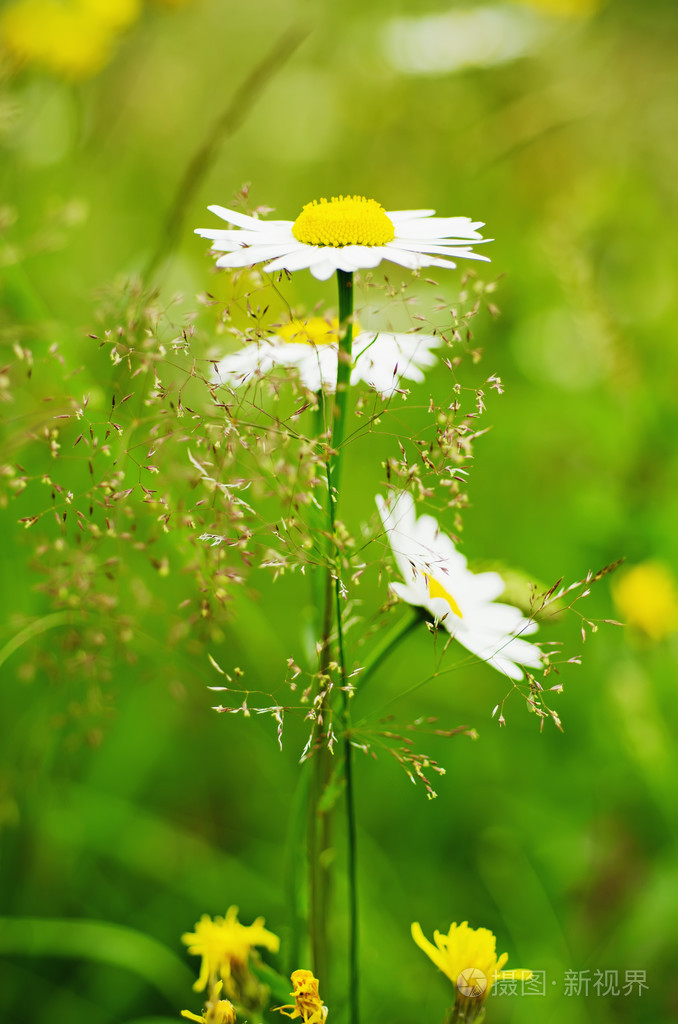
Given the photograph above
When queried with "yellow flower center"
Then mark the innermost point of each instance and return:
(314, 331)
(436, 589)
(346, 220)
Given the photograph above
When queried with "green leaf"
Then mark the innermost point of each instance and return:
(98, 940)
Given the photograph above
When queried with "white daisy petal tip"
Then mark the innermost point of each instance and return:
(347, 233)
(437, 579)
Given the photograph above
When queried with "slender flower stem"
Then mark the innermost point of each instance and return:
(351, 837)
(223, 128)
(317, 524)
(345, 284)
(294, 855)
(320, 819)
(388, 643)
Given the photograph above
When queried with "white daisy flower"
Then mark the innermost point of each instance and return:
(345, 233)
(437, 579)
(380, 359)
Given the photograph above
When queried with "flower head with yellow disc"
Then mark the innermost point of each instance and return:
(309, 347)
(307, 1002)
(468, 956)
(437, 579)
(217, 1011)
(226, 947)
(344, 233)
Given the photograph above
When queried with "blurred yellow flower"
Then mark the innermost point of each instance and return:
(307, 1002)
(647, 599)
(72, 38)
(118, 14)
(225, 946)
(468, 956)
(565, 8)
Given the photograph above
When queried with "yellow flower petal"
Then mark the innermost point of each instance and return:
(468, 956)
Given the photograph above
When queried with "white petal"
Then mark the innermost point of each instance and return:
(237, 367)
(441, 227)
(382, 361)
(507, 667)
(250, 255)
(377, 377)
(243, 221)
(411, 260)
(488, 586)
(398, 511)
(311, 374)
(405, 593)
(366, 257)
(396, 216)
(489, 653)
(323, 269)
(398, 518)
(344, 259)
(229, 241)
(319, 369)
(422, 245)
(424, 248)
(299, 258)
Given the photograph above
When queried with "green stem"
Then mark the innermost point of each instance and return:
(319, 839)
(319, 820)
(351, 838)
(388, 643)
(345, 284)
(316, 524)
(294, 860)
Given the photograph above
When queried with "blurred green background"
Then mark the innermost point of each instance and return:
(127, 807)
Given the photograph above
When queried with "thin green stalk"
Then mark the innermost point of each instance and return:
(223, 128)
(345, 284)
(320, 821)
(294, 860)
(316, 524)
(351, 836)
(388, 644)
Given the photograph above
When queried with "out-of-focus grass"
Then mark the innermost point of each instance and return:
(123, 798)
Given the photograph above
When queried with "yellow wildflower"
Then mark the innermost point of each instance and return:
(72, 38)
(307, 1002)
(647, 599)
(565, 8)
(468, 956)
(119, 14)
(225, 946)
(217, 1011)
